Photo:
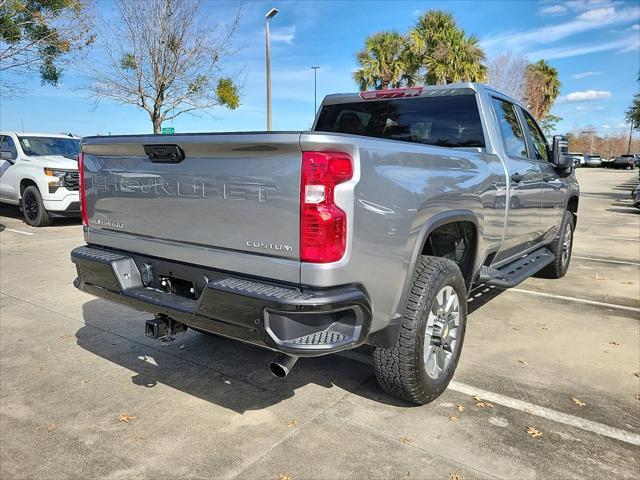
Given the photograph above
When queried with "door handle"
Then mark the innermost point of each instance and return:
(516, 177)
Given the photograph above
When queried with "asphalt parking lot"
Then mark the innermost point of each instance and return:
(554, 367)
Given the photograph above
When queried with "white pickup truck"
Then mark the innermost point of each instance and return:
(39, 173)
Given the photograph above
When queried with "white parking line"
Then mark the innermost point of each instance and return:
(577, 300)
(548, 413)
(18, 231)
(606, 261)
(527, 407)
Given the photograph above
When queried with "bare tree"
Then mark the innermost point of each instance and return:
(165, 57)
(41, 36)
(507, 74)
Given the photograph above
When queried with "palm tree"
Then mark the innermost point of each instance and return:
(542, 87)
(444, 51)
(384, 62)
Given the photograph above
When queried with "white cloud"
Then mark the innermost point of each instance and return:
(606, 126)
(586, 95)
(580, 76)
(635, 27)
(591, 19)
(626, 44)
(553, 10)
(284, 34)
(598, 14)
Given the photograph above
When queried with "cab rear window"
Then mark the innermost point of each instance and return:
(444, 121)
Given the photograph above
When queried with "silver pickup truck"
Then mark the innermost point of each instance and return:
(371, 228)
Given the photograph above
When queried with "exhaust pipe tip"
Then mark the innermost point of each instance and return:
(282, 365)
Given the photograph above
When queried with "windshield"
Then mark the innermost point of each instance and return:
(37, 146)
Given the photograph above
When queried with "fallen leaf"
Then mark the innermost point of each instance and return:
(84, 381)
(407, 440)
(523, 362)
(51, 427)
(482, 404)
(292, 423)
(515, 328)
(125, 418)
(137, 438)
(578, 402)
(636, 396)
(49, 348)
(454, 419)
(454, 476)
(637, 374)
(544, 327)
(534, 432)
(614, 343)
(460, 408)
(285, 476)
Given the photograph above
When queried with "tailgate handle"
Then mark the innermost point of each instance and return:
(164, 153)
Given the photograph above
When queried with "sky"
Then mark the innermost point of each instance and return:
(594, 45)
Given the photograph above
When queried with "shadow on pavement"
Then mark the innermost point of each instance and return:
(226, 372)
(12, 211)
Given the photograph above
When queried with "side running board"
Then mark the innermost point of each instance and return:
(518, 271)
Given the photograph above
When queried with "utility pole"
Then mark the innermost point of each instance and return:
(270, 14)
(315, 90)
(630, 134)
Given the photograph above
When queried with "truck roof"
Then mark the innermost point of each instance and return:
(39, 134)
(427, 91)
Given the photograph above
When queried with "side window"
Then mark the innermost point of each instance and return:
(539, 141)
(510, 128)
(7, 145)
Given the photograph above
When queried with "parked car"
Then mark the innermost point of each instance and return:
(624, 161)
(635, 196)
(371, 228)
(580, 157)
(39, 173)
(593, 161)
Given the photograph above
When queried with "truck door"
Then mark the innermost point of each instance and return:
(525, 180)
(554, 187)
(8, 179)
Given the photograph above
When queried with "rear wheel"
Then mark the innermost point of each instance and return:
(561, 248)
(33, 208)
(420, 365)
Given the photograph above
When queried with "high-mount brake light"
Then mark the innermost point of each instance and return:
(323, 225)
(83, 194)
(392, 93)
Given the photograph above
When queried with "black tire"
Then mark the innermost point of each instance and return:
(401, 370)
(558, 268)
(33, 209)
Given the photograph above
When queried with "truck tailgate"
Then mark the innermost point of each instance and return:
(230, 194)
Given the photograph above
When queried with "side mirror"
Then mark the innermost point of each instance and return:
(8, 156)
(560, 153)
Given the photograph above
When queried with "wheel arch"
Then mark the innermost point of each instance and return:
(388, 336)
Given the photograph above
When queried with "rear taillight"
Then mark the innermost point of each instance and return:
(323, 225)
(391, 93)
(83, 200)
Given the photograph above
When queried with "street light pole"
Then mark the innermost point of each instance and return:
(270, 14)
(315, 89)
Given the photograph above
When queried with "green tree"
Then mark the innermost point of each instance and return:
(384, 62)
(39, 35)
(444, 52)
(167, 58)
(542, 87)
(549, 123)
(633, 112)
